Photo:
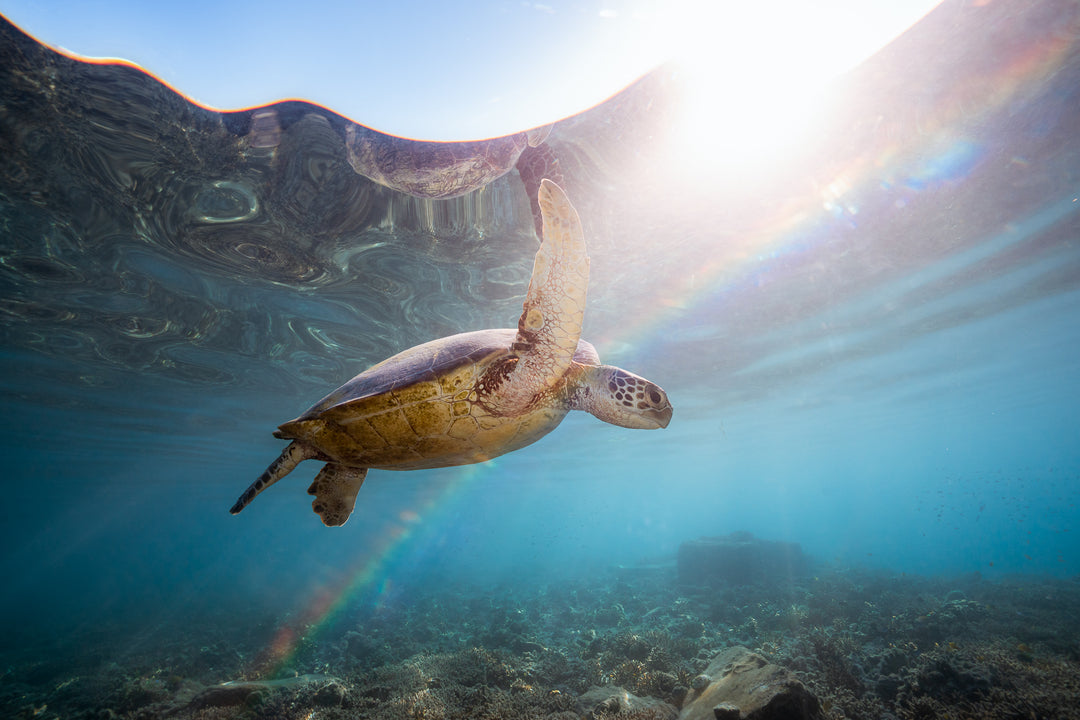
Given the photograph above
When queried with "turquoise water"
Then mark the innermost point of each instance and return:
(873, 348)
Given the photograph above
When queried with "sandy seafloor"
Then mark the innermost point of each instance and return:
(867, 643)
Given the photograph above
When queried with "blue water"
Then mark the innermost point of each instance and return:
(889, 377)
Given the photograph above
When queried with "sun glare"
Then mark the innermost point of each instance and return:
(756, 73)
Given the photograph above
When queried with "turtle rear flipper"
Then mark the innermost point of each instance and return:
(294, 454)
(335, 489)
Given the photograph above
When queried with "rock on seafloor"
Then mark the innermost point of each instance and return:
(746, 686)
(231, 694)
(739, 559)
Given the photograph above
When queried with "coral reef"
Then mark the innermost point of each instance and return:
(860, 645)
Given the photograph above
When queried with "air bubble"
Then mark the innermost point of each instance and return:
(226, 202)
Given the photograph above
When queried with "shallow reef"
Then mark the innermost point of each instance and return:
(857, 644)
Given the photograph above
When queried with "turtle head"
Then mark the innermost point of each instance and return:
(622, 398)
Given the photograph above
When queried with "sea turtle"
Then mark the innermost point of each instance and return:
(471, 397)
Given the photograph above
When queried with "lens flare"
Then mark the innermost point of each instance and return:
(941, 146)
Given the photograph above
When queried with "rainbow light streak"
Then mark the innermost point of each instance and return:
(941, 151)
(369, 580)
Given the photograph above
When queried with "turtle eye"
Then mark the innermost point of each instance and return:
(654, 396)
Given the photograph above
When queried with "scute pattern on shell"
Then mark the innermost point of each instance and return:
(428, 361)
(424, 408)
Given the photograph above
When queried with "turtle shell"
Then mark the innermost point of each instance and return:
(421, 408)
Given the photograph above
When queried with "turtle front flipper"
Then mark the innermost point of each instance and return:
(335, 489)
(550, 323)
(293, 454)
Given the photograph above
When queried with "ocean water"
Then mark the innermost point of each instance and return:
(872, 345)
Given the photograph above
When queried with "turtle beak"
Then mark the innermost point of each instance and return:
(657, 411)
(660, 415)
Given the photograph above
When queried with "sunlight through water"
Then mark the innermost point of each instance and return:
(757, 73)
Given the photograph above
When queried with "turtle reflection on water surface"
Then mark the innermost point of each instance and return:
(471, 397)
